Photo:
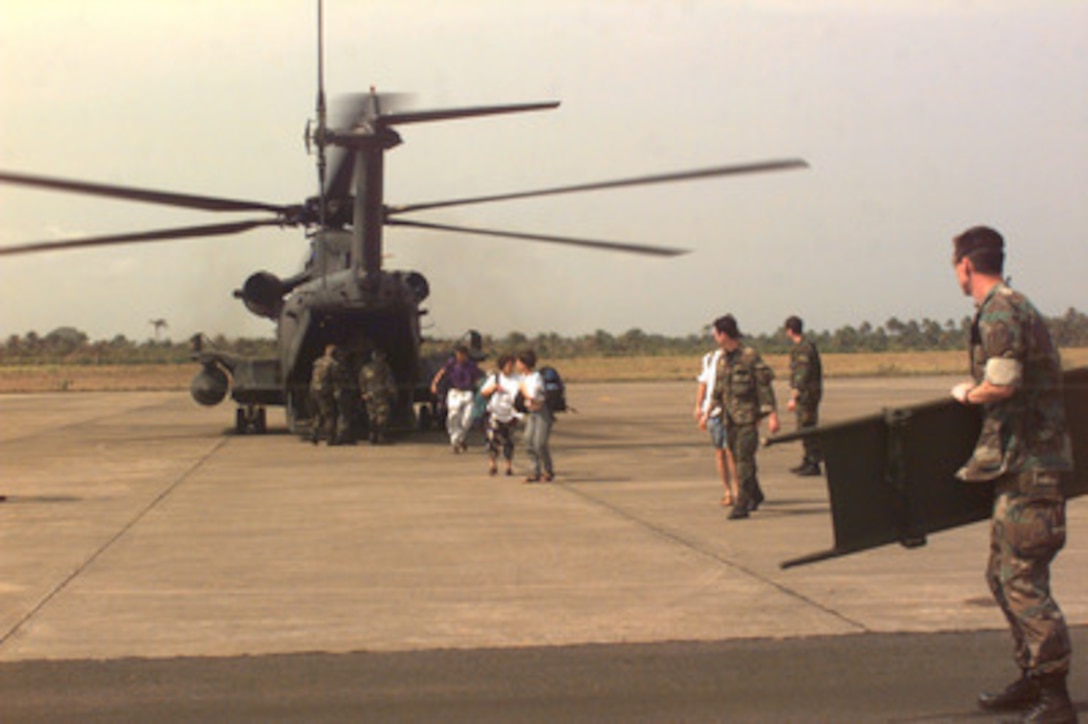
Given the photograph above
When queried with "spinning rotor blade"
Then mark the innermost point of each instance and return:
(590, 243)
(355, 108)
(397, 119)
(640, 181)
(205, 203)
(185, 232)
(370, 108)
(338, 184)
(352, 110)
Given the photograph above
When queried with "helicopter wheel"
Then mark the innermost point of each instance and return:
(426, 418)
(250, 418)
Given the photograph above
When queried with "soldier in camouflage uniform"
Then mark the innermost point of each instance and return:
(347, 395)
(1024, 449)
(806, 390)
(742, 389)
(323, 396)
(377, 389)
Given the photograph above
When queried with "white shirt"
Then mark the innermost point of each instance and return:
(501, 402)
(709, 376)
(534, 389)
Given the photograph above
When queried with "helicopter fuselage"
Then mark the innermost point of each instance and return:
(332, 301)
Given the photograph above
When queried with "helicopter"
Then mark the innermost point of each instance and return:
(343, 295)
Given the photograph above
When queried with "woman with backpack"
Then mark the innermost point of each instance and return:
(538, 426)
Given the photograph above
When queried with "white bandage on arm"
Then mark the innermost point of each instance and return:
(1004, 372)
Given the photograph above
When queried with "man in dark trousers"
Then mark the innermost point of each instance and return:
(806, 390)
(1024, 450)
(742, 389)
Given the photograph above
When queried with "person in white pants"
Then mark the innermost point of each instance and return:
(462, 374)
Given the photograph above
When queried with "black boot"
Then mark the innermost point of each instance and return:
(756, 499)
(1054, 705)
(810, 469)
(1017, 696)
(741, 506)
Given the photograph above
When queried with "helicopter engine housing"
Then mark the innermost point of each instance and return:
(418, 284)
(209, 385)
(263, 293)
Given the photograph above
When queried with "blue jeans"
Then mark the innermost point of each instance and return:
(716, 427)
(538, 430)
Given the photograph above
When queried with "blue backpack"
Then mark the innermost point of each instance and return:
(555, 392)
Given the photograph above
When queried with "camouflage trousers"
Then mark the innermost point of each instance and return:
(325, 414)
(743, 442)
(378, 409)
(1027, 531)
(809, 416)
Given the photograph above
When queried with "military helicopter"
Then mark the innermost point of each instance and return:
(342, 295)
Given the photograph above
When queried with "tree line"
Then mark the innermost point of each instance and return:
(67, 345)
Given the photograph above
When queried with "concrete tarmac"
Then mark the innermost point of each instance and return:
(157, 566)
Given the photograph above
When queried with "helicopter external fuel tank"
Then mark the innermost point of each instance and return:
(209, 385)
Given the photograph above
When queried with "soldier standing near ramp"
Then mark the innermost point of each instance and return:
(742, 388)
(323, 396)
(1024, 449)
(377, 389)
(346, 395)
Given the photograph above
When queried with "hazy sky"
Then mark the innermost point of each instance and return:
(918, 119)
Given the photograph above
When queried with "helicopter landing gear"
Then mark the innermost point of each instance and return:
(250, 418)
(426, 418)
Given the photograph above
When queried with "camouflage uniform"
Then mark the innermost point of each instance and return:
(377, 387)
(323, 397)
(1024, 448)
(806, 377)
(345, 394)
(742, 388)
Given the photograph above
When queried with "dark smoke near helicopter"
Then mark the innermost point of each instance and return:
(343, 295)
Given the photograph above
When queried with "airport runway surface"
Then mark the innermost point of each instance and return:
(155, 565)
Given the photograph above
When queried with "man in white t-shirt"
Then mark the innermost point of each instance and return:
(713, 421)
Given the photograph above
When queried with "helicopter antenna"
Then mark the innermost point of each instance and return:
(321, 112)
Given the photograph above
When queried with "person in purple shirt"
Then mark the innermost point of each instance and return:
(462, 374)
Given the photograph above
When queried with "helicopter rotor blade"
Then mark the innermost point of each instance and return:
(382, 109)
(338, 183)
(758, 167)
(398, 119)
(128, 193)
(349, 111)
(570, 241)
(185, 232)
(355, 108)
